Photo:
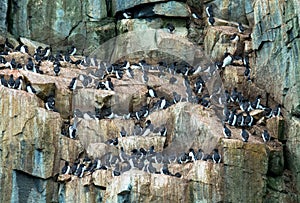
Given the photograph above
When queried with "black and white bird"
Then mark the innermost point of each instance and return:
(192, 155)
(151, 92)
(30, 89)
(196, 15)
(66, 169)
(200, 154)
(30, 66)
(18, 83)
(268, 112)
(73, 129)
(209, 11)
(129, 72)
(108, 84)
(56, 68)
(247, 72)
(80, 170)
(22, 48)
(266, 136)
(248, 120)
(256, 103)
(50, 103)
(226, 132)
(170, 28)
(127, 15)
(234, 38)
(228, 59)
(244, 135)
(232, 118)
(176, 97)
(211, 20)
(148, 128)
(234, 95)
(11, 81)
(73, 84)
(276, 111)
(72, 50)
(3, 81)
(216, 156)
(241, 28)
(46, 52)
(162, 103)
(123, 132)
(240, 119)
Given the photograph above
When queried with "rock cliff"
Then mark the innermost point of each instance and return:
(35, 142)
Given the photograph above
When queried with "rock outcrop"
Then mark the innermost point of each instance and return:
(35, 142)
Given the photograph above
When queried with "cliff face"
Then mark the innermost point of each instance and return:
(33, 144)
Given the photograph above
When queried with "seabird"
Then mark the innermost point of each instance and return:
(129, 72)
(3, 81)
(137, 130)
(244, 135)
(234, 95)
(227, 96)
(151, 92)
(268, 112)
(276, 111)
(266, 136)
(123, 132)
(80, 170)
(162, 103)
(226, 132)
(240, 119)
(18, 83)
(241, 28)
(66, 169)
(176, 97)
(24, 49)
(211, 20)
(30, 89)
(227, 60)
(247, 72)
(171, 28)
(209, 11)
(216, 156)
(75, 167)
(11, 81)
(192, 154)
(200, 154)
(50, 103)
(127, 15)
(73, 129)
(256, 103)
(148, 128)
(234, 38)
(108, 84)
(73, 83)
(72, 51)
(196, 15)
(248, 120)
(165, 170)
(56, 68)
(232, 118)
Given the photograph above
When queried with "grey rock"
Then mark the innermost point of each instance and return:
(3, 12)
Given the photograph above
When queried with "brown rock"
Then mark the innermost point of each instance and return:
(136, 142)
(102, 178)
(275, 126)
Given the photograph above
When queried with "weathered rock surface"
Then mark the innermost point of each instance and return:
(33, 147)
(3, 13)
